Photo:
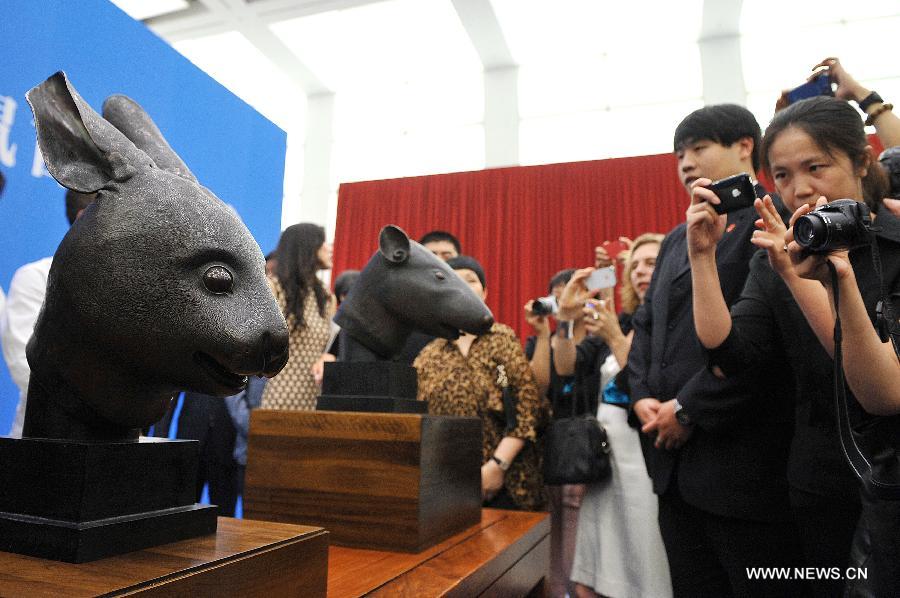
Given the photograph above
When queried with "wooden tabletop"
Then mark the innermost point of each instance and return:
(467, 564)
(243, 558)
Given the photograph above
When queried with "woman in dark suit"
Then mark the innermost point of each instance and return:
(814, 149)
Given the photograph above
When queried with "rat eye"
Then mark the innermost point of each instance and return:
(439, 275)
(218, 280)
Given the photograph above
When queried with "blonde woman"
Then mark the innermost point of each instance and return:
(619, 550)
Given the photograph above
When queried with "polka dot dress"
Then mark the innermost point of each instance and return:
(294, 388)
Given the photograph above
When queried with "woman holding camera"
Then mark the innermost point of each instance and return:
(871, 365)
(619, 550)
(781, 325)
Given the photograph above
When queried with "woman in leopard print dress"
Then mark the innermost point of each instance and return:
(308, 307)
(465, 378)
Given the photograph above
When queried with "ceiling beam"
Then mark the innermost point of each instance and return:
(194, 21)
(480, 22)
(270, 11)
(720, 53)
(210, 17)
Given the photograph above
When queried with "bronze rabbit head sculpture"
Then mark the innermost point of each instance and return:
(158, 287)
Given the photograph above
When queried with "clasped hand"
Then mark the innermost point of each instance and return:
(660, 418)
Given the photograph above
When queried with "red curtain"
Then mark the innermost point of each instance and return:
(522, 223)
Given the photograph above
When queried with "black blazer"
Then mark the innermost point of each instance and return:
(734, 464)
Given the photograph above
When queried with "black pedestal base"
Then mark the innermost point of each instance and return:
(370, 404)
(370, 378)
(86, 541)
(370, 386)
(80, 501)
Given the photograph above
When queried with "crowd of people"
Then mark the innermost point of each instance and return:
(742, 463)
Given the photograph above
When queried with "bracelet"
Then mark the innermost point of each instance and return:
(870, 99)
(878, 112)
(565, 329)
(503, 465)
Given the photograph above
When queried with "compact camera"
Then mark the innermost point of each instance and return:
(545, 306)
(841, 224)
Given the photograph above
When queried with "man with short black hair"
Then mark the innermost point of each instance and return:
(442, 244)
(720, 472)
(26, 295)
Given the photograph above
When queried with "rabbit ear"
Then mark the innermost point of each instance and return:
(82, 151)
(394, 244)
(126, 115)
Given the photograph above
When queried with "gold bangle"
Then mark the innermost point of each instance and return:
(878, 112)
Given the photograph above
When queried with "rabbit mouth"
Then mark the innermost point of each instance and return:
(219, 373)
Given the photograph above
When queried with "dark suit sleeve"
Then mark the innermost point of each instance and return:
(640, 354)
(716, 404)
(753, 330)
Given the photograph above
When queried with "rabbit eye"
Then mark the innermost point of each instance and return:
(440, 275)
(218, 280)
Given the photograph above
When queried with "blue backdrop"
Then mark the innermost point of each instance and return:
(231, 148)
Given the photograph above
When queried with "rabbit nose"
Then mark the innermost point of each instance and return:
(275, 352)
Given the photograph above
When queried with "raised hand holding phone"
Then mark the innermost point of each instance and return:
(601, 278)
(705, 226)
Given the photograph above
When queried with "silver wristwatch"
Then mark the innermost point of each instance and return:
(681, 415)
(503, 465)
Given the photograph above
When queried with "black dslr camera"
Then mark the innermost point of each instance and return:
(841, 224)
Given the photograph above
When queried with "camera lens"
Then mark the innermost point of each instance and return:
(811, 232)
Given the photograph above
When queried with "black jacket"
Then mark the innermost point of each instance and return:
(770, 328)
(590, 354)
(734, 463)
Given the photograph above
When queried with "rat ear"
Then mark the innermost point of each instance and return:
(127, 115)
(394, 244)
(82, 151)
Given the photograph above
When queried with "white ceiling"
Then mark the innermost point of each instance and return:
(407, 86)
(574, 55)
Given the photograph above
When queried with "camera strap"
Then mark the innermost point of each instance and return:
(860, 464)
(885, 322)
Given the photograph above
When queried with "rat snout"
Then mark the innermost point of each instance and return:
(486, 322)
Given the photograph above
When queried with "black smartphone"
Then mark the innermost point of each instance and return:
(820, 86)
(735, 193)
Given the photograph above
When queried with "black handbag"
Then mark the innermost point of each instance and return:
(576, 448)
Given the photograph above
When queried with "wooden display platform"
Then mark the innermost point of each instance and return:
(384, 481)
(244, 558)
(506, 555)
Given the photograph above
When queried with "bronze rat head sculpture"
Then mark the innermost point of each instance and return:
(405, 287)
(158, 287)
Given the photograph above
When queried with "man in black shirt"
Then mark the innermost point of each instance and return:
(720, 474)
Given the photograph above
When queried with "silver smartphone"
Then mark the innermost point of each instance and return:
(601, 278)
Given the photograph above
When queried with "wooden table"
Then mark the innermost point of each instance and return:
(244, 558)
(507, 554)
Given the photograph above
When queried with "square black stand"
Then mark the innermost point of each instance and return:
(370, 386)
(80, 501)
